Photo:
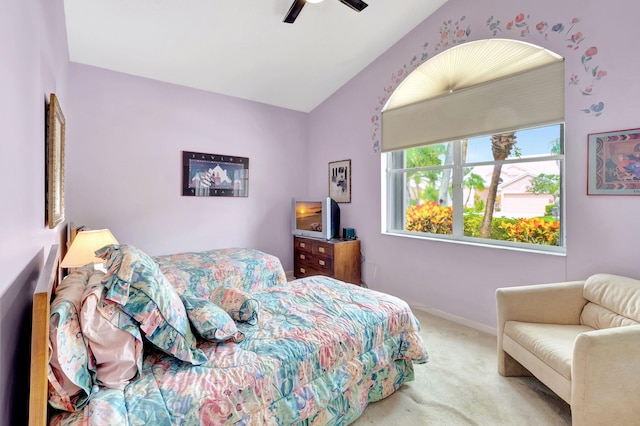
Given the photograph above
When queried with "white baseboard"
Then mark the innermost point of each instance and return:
(289, 275)
(459, 320)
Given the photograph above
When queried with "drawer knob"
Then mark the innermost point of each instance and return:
(321, 262)
(303, 245)
(321, 249)
(302, 256)
(302, 271)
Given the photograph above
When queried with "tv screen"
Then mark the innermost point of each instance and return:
(309, 216)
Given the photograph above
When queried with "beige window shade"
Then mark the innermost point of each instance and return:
(451, 98)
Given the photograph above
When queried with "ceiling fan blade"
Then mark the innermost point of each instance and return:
(356, 5)
(294, 11)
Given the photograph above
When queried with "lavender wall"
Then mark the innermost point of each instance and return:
(34, 58)
(460, 280)
(125, 136)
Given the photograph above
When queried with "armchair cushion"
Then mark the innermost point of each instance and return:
(617, 297)
(552, 343)
(598, 317)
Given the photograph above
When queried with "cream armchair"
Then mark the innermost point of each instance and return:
(581, 339)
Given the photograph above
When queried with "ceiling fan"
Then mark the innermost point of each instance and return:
(297, 6)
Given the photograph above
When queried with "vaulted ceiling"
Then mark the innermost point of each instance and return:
(241, 48)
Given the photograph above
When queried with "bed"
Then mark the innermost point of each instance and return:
(310, 351)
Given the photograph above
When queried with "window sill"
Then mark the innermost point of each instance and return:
(477, 242)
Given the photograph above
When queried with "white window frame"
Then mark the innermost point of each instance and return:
(394, 215)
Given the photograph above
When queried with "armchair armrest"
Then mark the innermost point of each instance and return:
(605, 376)
(556, 303)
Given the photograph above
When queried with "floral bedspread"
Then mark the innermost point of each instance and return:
(320, 352)
(246, 269)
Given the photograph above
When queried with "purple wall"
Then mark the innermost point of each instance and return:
(125, 137)
(460, 280)
(34, 58)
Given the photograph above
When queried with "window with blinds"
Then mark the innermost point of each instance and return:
(474, 146)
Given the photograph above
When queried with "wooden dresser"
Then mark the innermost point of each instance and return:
(335, 258)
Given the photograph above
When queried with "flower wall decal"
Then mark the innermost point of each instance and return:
(595, 109)
(396, 78)
(518, 23)
(454, 32)
(573, 40)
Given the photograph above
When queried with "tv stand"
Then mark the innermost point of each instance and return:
(337, 258)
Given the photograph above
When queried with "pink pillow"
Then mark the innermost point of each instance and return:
(118, 353)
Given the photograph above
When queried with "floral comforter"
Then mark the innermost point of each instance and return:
(201, 272)
(320, 352)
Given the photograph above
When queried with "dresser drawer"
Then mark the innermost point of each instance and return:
(321, 248)
(319, 260)
(322, 265)
(302, 245)
(301, 255)
(304, 271)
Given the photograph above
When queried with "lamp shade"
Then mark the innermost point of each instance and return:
(84, 246)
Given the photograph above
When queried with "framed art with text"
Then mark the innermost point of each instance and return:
(214, 175)
(614, 163)
(54, 194)
(340, 181)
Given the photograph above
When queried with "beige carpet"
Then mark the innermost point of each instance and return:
(460, 385)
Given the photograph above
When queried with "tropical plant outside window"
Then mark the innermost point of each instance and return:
(502, 189)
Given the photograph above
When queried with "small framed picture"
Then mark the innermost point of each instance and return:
(614, 163)
(340, 181)
(214, 175)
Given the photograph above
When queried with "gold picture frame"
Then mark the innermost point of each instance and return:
(54, 197)
(340, 181)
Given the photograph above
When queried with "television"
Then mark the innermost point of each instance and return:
(315, 217)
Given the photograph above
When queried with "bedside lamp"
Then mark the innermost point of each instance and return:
(84, 246)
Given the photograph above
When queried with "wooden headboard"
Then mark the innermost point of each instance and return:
(38, 390)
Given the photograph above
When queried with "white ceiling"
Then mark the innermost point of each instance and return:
(240, 48)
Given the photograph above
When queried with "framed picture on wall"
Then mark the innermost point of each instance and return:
(614, 163)
(340, 181)
(54, 194)
(214, 175)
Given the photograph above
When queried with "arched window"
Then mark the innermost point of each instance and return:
(474, 147)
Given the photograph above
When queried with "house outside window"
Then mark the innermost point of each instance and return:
(502, 189)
